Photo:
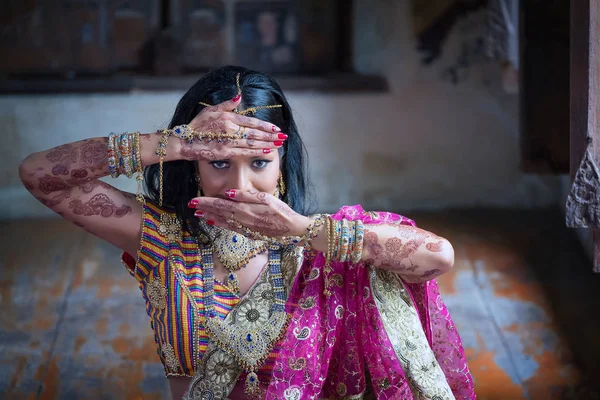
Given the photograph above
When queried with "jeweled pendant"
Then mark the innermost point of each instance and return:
(232, 283)
(252, 389)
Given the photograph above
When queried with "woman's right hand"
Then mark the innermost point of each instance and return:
(261, 137)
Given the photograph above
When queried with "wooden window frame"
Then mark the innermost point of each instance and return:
(343, 79)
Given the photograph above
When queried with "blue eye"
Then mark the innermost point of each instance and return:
(219, 164)
(260, 164)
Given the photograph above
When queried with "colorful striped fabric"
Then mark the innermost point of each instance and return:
(170, 277)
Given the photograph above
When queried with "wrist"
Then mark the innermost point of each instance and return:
(319, 237)
(149, 143)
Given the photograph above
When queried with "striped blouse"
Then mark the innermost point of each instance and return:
(169, 272)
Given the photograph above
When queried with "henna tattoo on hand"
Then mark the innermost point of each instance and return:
(100, 204)
(270, 226)
(223, 205)
(264, 198)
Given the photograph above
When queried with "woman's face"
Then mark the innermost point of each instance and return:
(240, 172)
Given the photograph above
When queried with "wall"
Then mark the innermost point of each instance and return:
(428, 143)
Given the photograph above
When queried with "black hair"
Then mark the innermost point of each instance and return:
(215, 87)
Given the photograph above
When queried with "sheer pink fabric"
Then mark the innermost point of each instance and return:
(330, 340)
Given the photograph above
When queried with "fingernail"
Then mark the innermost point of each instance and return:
(230, 193)
(237, 98)
(210, 222)
(266, 151)
(278, 143)
(193, 203)
(275, 129)
(199, 214)
(282, 136)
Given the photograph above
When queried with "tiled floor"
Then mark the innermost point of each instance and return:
(73, 324)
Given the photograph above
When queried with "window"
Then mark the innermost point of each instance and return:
(89, 45)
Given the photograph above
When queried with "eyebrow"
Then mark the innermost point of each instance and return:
(263, 157)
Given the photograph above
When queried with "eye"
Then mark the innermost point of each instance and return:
(219, 164)
(261, 164)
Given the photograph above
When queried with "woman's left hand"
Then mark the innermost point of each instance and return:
(258, 211)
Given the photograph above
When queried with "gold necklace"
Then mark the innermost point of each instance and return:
(257, 329)
(234, 251)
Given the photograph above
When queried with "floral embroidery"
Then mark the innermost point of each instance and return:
(157, 294)
(341, 389)
(169, 227)
(314, 274)
(307, 303)
(406, 335)
(298, 364)
(170, 358)
(302, 334)
(251, 315)
(337, 279)
(203, 390)
(292, 393)
(221, 368)
(339, 312)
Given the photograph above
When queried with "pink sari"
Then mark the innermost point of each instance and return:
(332, 341)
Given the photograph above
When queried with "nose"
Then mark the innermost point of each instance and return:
(240, 179)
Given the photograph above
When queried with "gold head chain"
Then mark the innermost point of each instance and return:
(250, 110)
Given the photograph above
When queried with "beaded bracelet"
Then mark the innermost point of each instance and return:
(111, 153)
(358, 242)
(126, 159)
(345, 240)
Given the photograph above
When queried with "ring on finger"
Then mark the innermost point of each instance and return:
(238, 132)
(232, 213)
(243, 134)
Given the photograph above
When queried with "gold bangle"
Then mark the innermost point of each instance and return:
(358, 242)
(139, 168)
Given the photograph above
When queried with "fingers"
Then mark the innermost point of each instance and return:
(245, 196)
(243, 120)
(228, 105)
(265, 136)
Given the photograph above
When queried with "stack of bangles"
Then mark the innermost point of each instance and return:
(125, 158)
(344, 240)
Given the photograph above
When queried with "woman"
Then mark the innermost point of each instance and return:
(298, 307)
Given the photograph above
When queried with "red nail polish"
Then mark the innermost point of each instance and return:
(275, 129)
(266, 151)
(230, 193)
(199, 214)
(278, 143)
(237, 98)
(282, 136)
(210, 222)
(193, 203)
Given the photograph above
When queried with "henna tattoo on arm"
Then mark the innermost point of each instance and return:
(435, 247)
(100, 204)
(399, 252)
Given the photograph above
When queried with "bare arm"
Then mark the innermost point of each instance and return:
(415, 254)
(66, 180)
